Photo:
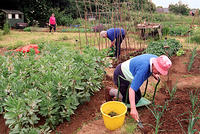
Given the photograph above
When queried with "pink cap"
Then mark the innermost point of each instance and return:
(162, 64)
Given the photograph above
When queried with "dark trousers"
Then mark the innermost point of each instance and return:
(118, 42)
(124, 85)
(52, 26)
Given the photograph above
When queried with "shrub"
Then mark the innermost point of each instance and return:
(27, 29)
(65, 20)
(6, 28)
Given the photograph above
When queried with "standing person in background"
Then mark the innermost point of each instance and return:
(52, 22)
(116, 36)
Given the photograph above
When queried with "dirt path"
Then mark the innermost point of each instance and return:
(96, 127)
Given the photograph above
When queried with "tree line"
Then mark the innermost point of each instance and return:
(39, 11)
(66, 11)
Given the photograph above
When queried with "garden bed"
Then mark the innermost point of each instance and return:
(171, 119)
(176, 111)
(196, 65)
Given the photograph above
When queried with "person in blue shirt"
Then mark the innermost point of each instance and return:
(116, 36)
(134, 72)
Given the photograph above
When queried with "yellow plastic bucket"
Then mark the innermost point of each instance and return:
(114, 122)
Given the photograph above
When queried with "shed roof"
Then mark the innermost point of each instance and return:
(11, 11)
(162, 10)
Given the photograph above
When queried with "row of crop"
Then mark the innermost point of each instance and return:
(158, 111)
(48, 86)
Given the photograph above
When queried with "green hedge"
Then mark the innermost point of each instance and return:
(50, 85)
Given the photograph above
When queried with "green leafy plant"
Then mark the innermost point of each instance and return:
(51, 86)
(180, 52)
(6, 28)
(27, 29)
(167, 47)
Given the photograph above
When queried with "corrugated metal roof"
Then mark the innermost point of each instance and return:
(11, 11)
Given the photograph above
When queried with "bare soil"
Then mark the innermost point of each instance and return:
(177, 110)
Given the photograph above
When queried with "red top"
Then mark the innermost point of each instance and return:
(52, 20)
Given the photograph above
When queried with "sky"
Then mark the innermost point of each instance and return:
(165, 3)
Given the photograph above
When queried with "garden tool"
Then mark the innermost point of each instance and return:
(140, 125)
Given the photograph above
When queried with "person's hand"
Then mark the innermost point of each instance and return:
(134, 114)
(156, 76)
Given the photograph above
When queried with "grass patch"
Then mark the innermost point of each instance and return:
(65, 37)
(36, 41)
(129, 127)
(61, 43)
(15, 38)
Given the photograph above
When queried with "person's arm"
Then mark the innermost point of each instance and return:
(112, 44)
(133, 113)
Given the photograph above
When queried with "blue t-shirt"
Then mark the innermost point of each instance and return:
(139, 68)
(113, 33)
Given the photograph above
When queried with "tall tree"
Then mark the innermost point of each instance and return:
(36, 10)
(179, 8)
